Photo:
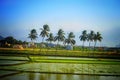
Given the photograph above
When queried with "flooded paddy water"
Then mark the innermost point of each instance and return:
(12, 68)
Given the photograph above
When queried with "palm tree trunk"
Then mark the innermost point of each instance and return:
(89, 44)
(43, 39)
(89, 48)
(28, 56)
(57, 45)
(83, 44)
(47, 46)
(95, 44)
(41, 44)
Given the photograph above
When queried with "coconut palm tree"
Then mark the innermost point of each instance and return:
(70, 39)
(90, 37)
(83, 37)
(60, 36)
(45, 31)
(32, 35)
(97, 37)
(50, 38)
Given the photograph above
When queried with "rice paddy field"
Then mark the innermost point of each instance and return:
(32, 64)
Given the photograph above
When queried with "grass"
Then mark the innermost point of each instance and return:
(42, 56)
(62, 61)
(66, 53)
(76, 61)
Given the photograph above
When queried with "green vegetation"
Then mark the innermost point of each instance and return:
(45, 32)
(10, 41)
(60, 36)
(50, 38)
(60, 61)
(83, 37)
(70, 39)
(97, 37)
(32, 35)
(66, 53)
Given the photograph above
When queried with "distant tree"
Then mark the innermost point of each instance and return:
(45, 31)
(19, 42)
(8, 41)
(50, 38)
(60, 36)
(70, 39)
(90, 37)
(97, 37)
(33, 34)
(83, 37)
(24, 42)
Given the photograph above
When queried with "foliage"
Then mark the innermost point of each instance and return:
(97, 37)
(70, 39)
(83, 37)
(60, 36)
(10, 41)
(50, 38)
(33, 34)
(44, 31)
(90, 37)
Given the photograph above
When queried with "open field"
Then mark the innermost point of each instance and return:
(66, 53)
(52, 64)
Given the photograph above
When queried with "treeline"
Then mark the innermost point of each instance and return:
(10, 41)
(47, 35)
(60, 36)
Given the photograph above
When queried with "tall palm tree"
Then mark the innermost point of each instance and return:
(97, 37)
(90, 37)
(45, 31)
(70, 39)
(33, 34)
(60, 36)
(83, 37)
(50, 38)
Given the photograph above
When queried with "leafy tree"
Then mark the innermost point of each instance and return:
(45, 31)
(8, 40)
(70, 39)
(97, 37)
(83, 37)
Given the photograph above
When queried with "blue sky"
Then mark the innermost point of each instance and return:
(18, 17)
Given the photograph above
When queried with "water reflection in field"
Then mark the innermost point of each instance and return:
(43, 76)
(14, 68)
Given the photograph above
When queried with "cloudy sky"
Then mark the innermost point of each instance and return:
(18, 17)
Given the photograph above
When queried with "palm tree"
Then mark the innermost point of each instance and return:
(45, 31)
(60, 36)
(90, 37)
(83, 37)
(32, 35)
(97, 37)
(50, 38)
(70, 39)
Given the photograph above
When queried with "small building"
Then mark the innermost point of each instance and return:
(32, 45)
(69, 47)
(50, 45)
(18, 47)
